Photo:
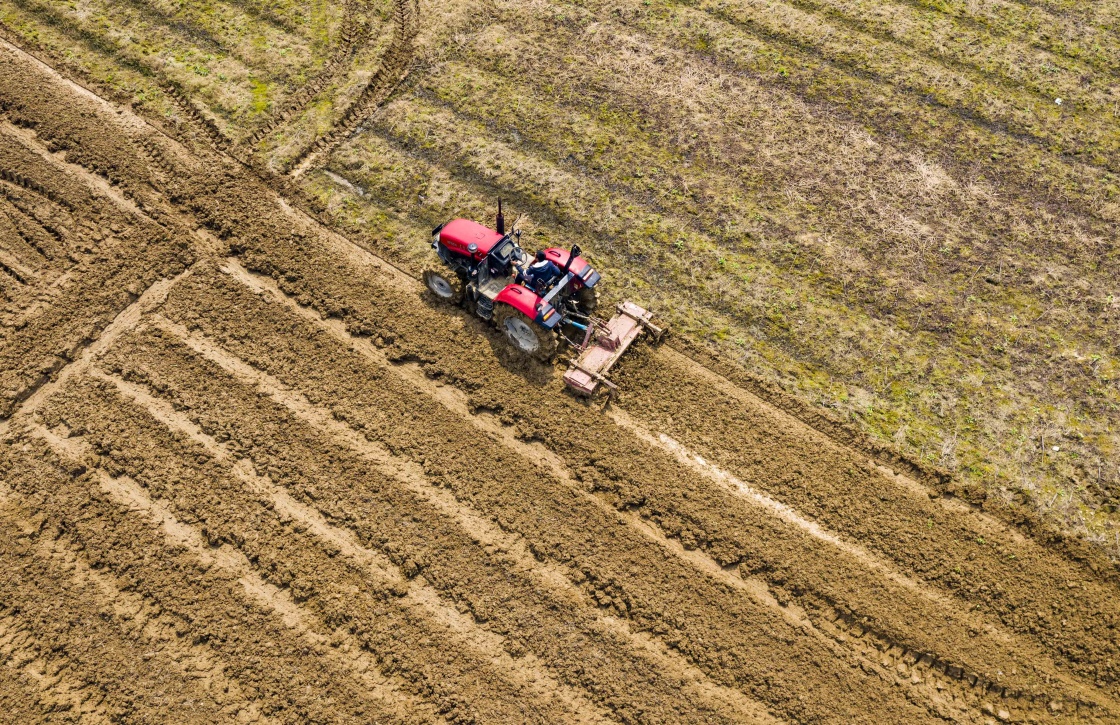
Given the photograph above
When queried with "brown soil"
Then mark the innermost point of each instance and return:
(251, 474)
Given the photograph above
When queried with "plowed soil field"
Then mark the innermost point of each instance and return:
(251, 473)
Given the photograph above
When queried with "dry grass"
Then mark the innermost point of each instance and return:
(879, 205)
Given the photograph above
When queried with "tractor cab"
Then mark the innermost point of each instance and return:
(503, 261)
(498, 270)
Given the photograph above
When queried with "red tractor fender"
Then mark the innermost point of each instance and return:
(584, 274)
(530, 304)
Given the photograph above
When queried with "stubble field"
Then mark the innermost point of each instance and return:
(251, 473)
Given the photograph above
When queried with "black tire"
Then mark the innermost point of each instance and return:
(444, 285)
(587, 300)
(523, 336)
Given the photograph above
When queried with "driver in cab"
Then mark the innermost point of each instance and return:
(541, 273)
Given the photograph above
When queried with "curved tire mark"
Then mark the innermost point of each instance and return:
(395, 65)
(353, 34)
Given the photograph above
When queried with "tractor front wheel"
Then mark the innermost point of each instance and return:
(524, 335)
(445, 285)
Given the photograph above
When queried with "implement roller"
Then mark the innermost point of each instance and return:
(604, 343)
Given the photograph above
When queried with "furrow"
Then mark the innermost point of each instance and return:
(476, 561)
(14, 242)
(455, 403)
(486, 533)
(45, 242)
(387, 575)
(352, 658)
(14, 271)
(13, 267)
(135, 623)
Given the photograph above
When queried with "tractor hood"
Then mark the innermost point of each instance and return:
(458, 234)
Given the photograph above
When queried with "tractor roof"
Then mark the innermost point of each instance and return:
(462, 232)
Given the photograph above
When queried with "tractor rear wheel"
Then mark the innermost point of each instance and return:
(587, 300)
(445, 285)
(524, 335)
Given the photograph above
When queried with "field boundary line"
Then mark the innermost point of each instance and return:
(417, 592)
(362, 666)
(144, 618)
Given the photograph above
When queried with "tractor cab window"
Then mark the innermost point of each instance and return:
(501, 258)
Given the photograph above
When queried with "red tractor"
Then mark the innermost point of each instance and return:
(536, 303)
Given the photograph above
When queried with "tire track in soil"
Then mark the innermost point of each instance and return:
(41, 671)
(416, 592)
(29, 400)
(132, 617)
(350, 657)
(61, 167)
(472, 522)
(392, 71)
(33, 250)
(354, 33)
(457, 404)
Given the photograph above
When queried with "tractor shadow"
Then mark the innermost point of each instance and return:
(533, 372)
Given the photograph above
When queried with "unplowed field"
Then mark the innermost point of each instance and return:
(250, 473)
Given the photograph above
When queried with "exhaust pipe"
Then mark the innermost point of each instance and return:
(571, 258)
(501, 219)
